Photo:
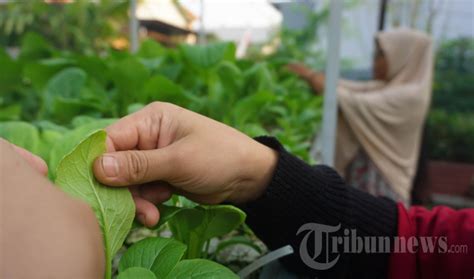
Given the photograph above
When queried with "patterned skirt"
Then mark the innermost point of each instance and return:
(364, 175)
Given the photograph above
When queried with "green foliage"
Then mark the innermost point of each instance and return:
(114, 208)
(82, 26)
(162, 257)
(454, 76)
(53, 102)
(66, 88)
(450, 124)
(450, 136)
(201, 269)
(195, 226)
(22, 134)
(137, 272)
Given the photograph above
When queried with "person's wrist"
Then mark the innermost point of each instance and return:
(260, 163)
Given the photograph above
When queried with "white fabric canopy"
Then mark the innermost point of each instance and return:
(162, 10)
(231, 20)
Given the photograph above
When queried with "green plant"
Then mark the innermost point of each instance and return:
(449, 124)
(54, 102)
(450, 136)
(115, 212)
(196, 226)
(85, 26)
(45, 84)
(164, 261)
(454, 76)
(113, 208)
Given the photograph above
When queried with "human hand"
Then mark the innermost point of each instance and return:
(300, 69)
(315, 79)
(164, 149)
(34, 161)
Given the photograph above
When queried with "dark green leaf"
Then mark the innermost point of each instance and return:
(201, 269)
(160, 255)
(136, 273)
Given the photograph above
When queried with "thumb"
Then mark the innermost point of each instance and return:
(125, 168)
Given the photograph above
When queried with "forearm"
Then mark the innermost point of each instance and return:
(44, 233)
(361, 86)
(299, 194)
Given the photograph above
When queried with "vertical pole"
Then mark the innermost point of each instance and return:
(332, 76)
(383, 9)
(133, 26)
(202, 30)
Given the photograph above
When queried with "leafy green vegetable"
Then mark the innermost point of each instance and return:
(201, 269)
(209, 55)
(72, 138)
(22, 134)
(136, 273)
(114, 208)
(160, 255)
(195, 226)
(69, 95)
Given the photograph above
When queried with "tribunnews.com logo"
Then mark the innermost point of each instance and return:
(319, 236)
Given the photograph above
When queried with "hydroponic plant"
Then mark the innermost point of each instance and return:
(56, 103)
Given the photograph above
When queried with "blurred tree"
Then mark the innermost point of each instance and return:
(82, 26)
(451, 122)
(454, 76)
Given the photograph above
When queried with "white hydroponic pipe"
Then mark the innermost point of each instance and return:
(328, 135)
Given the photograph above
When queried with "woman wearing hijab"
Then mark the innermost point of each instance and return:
(380, 122)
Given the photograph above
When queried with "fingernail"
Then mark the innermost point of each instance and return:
(142, 219)
(110, 166)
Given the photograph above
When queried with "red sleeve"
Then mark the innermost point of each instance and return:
(444, 243)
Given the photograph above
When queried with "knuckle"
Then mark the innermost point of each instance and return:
(137, 166)
(155, 105)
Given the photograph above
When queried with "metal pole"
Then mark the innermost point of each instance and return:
(332, 75)
(133, 26)
(383, 9)
(202, 30)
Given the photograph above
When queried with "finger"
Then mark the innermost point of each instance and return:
(156, 193)
(147, 213)
(125, 168)
(146, 129)
(35, 161)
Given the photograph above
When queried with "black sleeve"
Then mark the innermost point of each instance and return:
(300, 194)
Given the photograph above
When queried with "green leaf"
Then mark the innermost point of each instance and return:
(71, 139)
(11, 112)
(166, 213)
(201, 269)
(159, 255)
(134, 107)
(10, 73)
(39, 74)
(47, 139)
(22, 134)
(195, 226)
(160, 88)
(151, 49)
(208, 55)
(63, 94)
(33, 47)
(219, 220)
(129, 76)
(114, 208)
(136, 273)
